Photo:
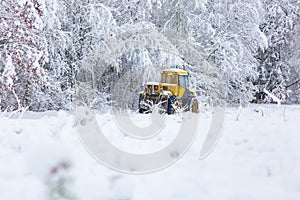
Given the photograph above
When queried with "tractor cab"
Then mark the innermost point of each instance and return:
(175, 76)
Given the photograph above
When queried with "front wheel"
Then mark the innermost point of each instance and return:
(173, 102)
(141, 110)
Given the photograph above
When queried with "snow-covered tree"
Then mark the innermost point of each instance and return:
(294, 62)
(230, 47)
(234, 44)
(73, 29)
(216, 42)
(278, 25)
(23, 53)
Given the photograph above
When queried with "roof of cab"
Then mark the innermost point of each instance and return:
(175, 70)
(152, 83)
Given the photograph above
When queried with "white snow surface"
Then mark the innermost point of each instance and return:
(256, 158)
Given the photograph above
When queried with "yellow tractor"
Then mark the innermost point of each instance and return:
(171, 95)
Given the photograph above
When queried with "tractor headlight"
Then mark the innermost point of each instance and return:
(155, 88)
(149, 89)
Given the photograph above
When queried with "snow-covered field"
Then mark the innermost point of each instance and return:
(256, 158)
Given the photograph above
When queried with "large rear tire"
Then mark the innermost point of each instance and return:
(194, 106)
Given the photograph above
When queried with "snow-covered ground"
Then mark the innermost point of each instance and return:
(256, 158)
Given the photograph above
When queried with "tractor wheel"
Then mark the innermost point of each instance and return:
(194, 106)
(141, 110)
(172, 100)
(141, 98)
(162, 105)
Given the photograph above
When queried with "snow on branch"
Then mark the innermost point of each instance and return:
(272, 96)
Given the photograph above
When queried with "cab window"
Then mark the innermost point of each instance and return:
(183, 81)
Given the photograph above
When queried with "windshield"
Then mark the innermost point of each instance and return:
(169, 78)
